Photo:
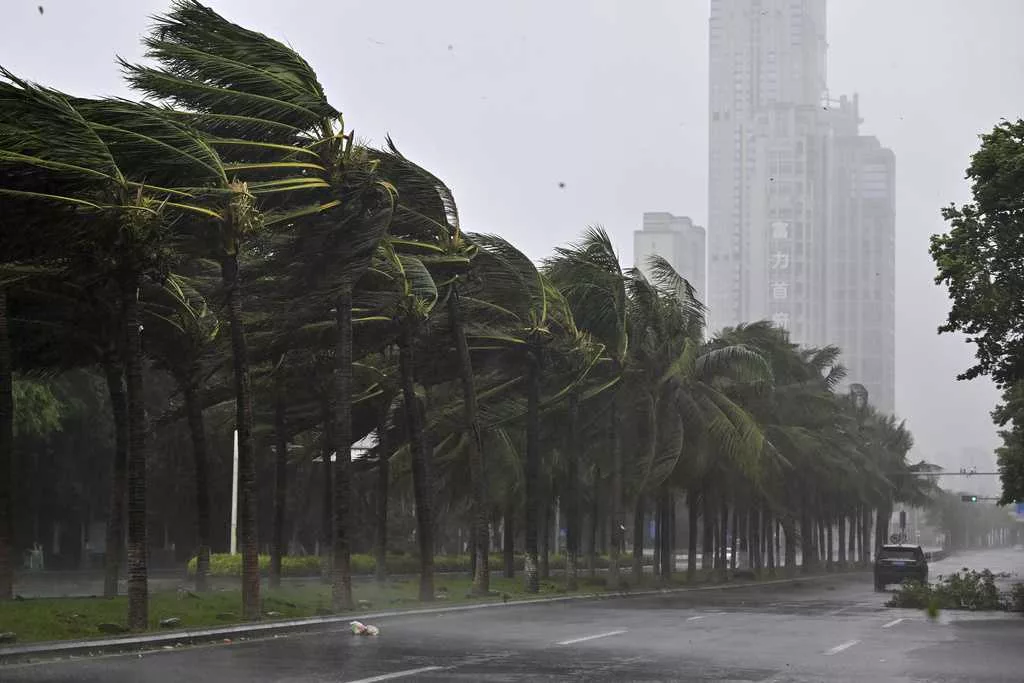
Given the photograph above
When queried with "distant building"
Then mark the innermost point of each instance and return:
(678, 241)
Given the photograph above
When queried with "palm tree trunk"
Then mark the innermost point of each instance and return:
(543, 541)
(383, 483)
(822, 548)
(789, 531)
(829, 557)
(114, 370)
(327, 492)
(656, 541)
(277, 543)
(477, 478)
(138, 580)
(571, 496)
(723, 547)
(592, 525)
(852, 547)
(421, 481)
(247, 502)
(841, 537)
(735, 534)
(864, 548)
(617, 496)
(707, 556)
(638, 539)
(509, 550)
(719, 541)
(807, 550)
(6, 455)
(341, 569)
(665, 526)
(532, 471)
(770, 544)
(691, 541)
(754, 539)
(197, 429)
(882, 526)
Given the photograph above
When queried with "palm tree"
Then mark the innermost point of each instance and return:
(680, 384)
(61, 154)
(415, 297)
(534, 316)
(184, 330)
(426, 221)
(261, 105)
(590, 276)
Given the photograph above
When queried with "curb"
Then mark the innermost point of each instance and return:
(54, 649)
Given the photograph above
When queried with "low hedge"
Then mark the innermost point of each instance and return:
(223, 564)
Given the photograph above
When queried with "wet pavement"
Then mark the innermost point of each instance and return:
(831, 629)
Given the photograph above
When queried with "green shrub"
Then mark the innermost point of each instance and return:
(961, 590)
(225, 565)
(1017, 597)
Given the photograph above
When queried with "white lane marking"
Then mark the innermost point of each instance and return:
(839, 648)
(572, 641)
(695, 618)
(892, 623)
(399, 674)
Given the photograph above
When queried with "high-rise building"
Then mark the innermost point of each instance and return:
(860, 256)
(765, 205)
(679, 241)
(800, 204)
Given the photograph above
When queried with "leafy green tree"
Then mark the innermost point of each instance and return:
(980, 261)
(1010, 455)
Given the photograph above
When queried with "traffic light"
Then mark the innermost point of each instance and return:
(968, 499)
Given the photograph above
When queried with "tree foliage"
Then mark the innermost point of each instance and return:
(981, 262)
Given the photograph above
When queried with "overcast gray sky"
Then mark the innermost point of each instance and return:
(505, 100)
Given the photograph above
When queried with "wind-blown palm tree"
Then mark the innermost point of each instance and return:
(78, 157)
(592, 280)
(263, 108)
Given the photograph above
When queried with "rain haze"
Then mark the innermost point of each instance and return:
(546, 117)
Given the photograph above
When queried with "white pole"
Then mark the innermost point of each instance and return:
(234, 500)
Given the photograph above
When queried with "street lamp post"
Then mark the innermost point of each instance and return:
(234, 498)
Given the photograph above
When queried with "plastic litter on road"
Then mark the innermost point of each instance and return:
(361, 629)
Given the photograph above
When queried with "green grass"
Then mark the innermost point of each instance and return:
(42, 619)
(39, 619)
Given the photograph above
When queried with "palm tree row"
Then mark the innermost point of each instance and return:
(229, 233)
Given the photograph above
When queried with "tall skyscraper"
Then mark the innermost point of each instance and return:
(679, 241)
(765, 195)
(801, 205)
(861, 256)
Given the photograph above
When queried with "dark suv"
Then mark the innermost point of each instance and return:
(896, 563)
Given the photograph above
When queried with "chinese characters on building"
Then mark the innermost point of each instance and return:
(778, 273)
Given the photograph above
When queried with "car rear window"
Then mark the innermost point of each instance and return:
(898, 554)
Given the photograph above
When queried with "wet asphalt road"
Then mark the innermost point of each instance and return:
(833, 629)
